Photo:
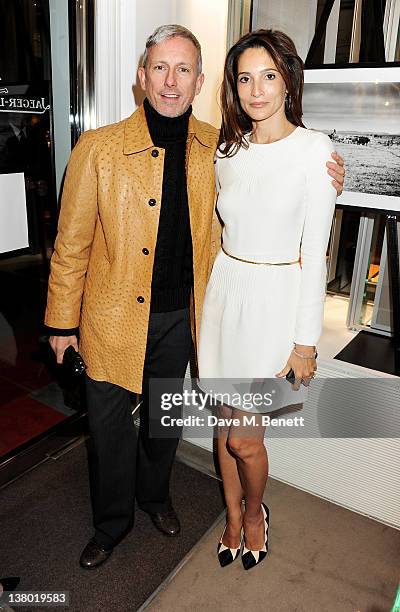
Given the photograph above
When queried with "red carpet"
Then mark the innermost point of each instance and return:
(22, 419)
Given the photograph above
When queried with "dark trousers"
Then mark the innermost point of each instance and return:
(122, 465)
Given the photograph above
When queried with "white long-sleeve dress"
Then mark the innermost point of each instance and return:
(276, 202)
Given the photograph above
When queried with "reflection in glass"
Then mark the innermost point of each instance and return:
(343, 245)
(373, 271)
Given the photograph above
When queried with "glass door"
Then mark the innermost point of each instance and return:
(38, 406)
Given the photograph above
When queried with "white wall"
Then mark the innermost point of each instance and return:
(122, 27)
(115, 57)
(208, 20)
(149, 15)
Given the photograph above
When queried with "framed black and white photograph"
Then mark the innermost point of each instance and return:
(359, 109)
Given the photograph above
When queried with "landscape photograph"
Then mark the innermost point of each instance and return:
(363, 121)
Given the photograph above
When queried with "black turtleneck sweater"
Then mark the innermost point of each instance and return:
(173, 261)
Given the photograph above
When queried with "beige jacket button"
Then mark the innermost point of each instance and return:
(140, 299)
(145, 251)
(152, 202)
(154, 153)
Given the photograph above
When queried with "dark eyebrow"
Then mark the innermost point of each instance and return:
(263, 70)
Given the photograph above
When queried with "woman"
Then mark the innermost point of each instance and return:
(263, 309)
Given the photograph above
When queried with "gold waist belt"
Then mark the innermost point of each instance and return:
(262, 263)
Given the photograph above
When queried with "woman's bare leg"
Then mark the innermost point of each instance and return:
(233, 491)
(247, 444)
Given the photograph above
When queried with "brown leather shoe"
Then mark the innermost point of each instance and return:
(167, 522)
(93, 555)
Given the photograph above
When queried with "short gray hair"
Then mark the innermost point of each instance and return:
(172, 31)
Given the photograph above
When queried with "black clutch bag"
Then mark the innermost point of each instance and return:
(290, 377)
(73, 362)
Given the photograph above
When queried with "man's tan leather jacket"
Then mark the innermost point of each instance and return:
(100, 278)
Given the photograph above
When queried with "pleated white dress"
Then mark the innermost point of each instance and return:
(276, 202)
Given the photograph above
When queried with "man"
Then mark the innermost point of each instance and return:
(134, 249)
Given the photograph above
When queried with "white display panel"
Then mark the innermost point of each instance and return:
(13, 220)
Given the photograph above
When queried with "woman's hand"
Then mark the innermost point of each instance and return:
(304, 368)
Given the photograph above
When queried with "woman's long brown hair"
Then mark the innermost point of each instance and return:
(235, 122)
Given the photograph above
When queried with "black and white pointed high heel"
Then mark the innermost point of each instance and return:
(250, 558)
(226, 555)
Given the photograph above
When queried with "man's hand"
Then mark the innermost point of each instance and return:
(60, 343)
(337, 172)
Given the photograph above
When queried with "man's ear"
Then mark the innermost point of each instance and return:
(199, 84)
(142, 77)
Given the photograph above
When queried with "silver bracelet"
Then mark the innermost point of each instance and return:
(305, 356)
